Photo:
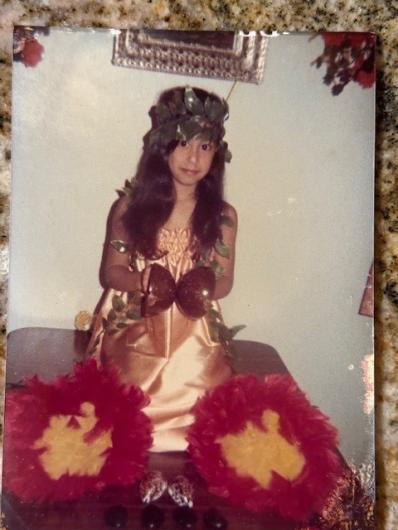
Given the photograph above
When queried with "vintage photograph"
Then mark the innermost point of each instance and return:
(190, 321)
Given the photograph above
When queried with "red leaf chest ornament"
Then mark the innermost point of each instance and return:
(191, 293)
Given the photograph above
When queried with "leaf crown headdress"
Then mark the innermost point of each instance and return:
(185, 116)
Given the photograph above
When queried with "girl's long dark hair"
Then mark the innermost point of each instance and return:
(153, 197)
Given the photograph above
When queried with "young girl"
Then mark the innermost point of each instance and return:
(169, 256)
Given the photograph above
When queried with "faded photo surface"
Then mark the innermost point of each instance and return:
(301, 135)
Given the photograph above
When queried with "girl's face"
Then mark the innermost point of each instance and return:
(191, 160)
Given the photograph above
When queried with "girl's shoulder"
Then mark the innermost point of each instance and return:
(119, 208)
(116, 218)
(230, 213)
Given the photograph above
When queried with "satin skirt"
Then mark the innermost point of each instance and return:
(170, 356)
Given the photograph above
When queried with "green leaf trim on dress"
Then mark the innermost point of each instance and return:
(122, 313)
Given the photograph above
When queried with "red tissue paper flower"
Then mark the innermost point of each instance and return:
(262, 445)
(31, 53)
(80, 433)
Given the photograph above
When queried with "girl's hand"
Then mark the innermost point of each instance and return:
(145, 278)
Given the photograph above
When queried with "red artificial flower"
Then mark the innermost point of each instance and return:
(333, 38)
(32, 52)
(347, 57)
(80, 433)
(365, 79)
(299, 431)
(352, 38)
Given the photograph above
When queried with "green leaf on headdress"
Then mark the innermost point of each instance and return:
(179, 133)
(162, 136)
(221, 248)
(206, 134)
(192, 102)
(225, 110)
(215, 134)
(167, 133)
(188, 129)
(176, 105)
(162, 113)
(214, 110)
(227, 152)
(154, 138)
(211, 134)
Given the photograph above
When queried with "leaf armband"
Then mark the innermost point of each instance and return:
(227, 221)
(120, 246)
(222, 249)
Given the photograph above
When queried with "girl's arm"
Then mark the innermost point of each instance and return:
(227, 260)
(115, 271)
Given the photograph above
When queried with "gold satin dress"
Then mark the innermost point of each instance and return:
(170, 356)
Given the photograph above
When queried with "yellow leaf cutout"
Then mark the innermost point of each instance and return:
(255, 453)
(66, 452)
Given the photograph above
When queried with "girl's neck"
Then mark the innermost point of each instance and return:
(185, 194)
(185, 201)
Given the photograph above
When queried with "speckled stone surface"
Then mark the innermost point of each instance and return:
(350, 15)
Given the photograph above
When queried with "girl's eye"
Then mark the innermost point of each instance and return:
(205, 147)
(183, 143)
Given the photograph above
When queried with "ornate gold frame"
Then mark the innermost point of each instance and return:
(217, 54)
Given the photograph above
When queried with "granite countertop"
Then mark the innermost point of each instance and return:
(378, 17)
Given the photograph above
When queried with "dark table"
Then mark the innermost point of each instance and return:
(49, 352)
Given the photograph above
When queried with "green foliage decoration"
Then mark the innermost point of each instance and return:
(123, 312)
(220, 332)
(183, 118)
